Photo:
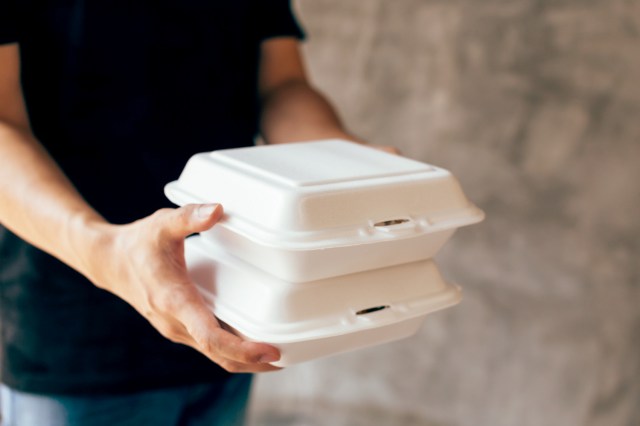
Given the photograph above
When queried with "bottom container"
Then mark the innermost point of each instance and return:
(317, 318)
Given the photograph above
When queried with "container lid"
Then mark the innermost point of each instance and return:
(263, 307)
(314, 194)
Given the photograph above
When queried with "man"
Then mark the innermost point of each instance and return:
(101, 104)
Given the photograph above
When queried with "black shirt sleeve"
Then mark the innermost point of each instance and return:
(275, 18)
(8, 22)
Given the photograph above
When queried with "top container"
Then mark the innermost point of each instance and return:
(314, 210)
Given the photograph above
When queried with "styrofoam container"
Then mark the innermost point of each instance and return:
(317, 318)
(314, 210)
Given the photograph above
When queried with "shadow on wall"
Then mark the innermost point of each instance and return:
(534, 106)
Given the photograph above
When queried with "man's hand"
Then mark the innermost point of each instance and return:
(143, 263)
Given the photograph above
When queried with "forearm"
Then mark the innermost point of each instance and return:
(295, 111)
(39, 204)
(142, 262)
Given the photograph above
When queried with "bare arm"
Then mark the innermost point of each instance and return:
(37, 201)
(292, 109)
(142, 262)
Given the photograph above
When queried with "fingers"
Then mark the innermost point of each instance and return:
(151, 275)
(189, 219)
(177, 309)
(236, 355)
(212, 339)
(204, 333)
(177, 333)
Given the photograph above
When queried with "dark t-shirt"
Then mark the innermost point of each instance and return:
(121, 93)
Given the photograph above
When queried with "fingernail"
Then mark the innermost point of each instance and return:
(206, 210)
(267, 358)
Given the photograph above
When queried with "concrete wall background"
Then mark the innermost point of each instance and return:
(535, 106)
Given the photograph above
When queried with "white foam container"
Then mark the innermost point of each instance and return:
(317, 318)
(313, 210)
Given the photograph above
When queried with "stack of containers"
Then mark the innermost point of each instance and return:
(325, 246)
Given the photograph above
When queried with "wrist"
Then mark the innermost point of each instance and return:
(90, 237)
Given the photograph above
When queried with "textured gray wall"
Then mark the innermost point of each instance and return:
(535, 106)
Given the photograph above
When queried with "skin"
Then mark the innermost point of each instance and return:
(143, 262)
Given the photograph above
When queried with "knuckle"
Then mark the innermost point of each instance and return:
(169, 332)
(161, 213)
(184, 214)
(174, 220)
(157, 223)
(170, 300)
(211, 346)
(174, 298)
(167, 219)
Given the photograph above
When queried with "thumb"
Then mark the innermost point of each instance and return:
(193, 218)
